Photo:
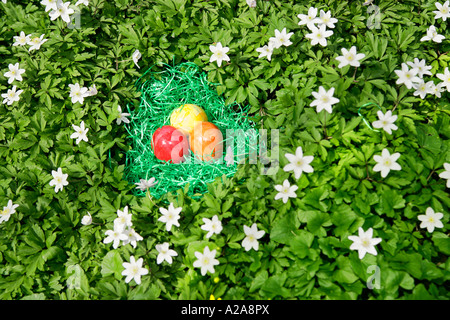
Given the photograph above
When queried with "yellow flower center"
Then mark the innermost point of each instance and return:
(365, 242)
(135, 270)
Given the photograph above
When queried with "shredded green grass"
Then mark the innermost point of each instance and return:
(162, 92)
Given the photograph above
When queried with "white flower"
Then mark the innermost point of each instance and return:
(212, 226)
(206, 260)
(80, 133)
(251, 3)
(445, 77)
(326, 19)
(36, 42)
(146, 184)
(386, 162)
(431, 220)
(432, 35)
(62, 11)
(281, 39)
(350, 57)
(298, 163)
(422, 68)
(7, 211)
(122, 116)
(385, 121)
(77, 93)
(11, 96)
(134, 270)
(219, 53)
(285, 191)
(324, 100)
(4, 1)
(49, 5)
(14, 73)
(446, 174)
(59, 179)
(87, 219)
(423, 88)
(115, 236)
(170, 216)
(132, 237)
(443, 11)
(436, 89)
(92, 91)
(319, 35)
(21, 39)
(123, 220)
(164, 253)
(407, 76)
(85, 2)
(309, 19)
(266, 51)
(136, 56)
(252, 235)
(364, 242)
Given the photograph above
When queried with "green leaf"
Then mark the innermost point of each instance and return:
(316, 223)
(389, 201)
(301, 243)
(441, 241)
(284, 229)
(344, 271)
(274, 286)
(112, 264)
(343, 217)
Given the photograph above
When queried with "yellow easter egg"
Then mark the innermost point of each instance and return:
(186, 116)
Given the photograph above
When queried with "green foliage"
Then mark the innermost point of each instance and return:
(45, 251)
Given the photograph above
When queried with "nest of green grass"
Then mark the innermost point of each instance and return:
(161, 93)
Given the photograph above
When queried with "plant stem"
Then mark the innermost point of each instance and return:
(429, 176)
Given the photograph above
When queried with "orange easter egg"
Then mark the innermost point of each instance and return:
(206, 141)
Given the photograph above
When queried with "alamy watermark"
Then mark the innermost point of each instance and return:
(240, 145)
(75, 19)
(373, 282)
(374, 20)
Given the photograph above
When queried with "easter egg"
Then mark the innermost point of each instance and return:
(170, 144)
(186, 116)
(206, 141)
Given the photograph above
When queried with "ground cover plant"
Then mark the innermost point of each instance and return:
(358, 208)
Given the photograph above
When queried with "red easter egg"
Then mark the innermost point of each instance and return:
(170, 144)
(206, 141)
